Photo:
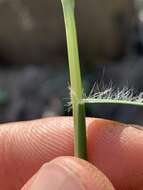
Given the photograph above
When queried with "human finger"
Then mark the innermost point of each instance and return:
(117, 150)
(68, 173)
(26, 146)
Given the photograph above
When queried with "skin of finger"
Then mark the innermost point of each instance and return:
(117, 150)
(26, 146)
(114, 148)
(83, 174)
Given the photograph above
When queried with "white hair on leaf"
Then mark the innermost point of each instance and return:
(110, 95)
(113, 96)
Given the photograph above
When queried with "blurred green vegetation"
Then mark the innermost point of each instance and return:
(3, 97)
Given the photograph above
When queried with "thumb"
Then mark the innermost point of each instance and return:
(68, 173)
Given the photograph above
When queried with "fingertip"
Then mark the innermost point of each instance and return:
(116, 149)
(69, 173)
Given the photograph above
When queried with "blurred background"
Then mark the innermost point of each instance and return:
(33, 57)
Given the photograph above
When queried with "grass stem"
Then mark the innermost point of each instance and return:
(75, 79)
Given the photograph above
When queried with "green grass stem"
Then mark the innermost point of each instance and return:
(75, 79)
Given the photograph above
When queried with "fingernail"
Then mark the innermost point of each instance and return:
(54, 177)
